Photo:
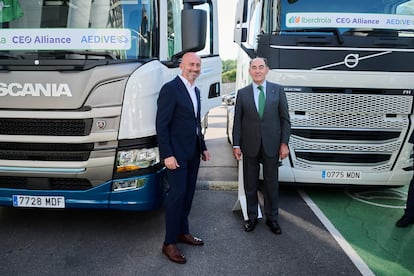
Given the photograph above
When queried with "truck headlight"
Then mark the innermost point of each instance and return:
(126, 184)
(132, 160)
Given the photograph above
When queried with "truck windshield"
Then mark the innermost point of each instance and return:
(77, 29)
(350, 17)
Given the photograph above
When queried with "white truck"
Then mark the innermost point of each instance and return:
(348, 72)
(79, 81)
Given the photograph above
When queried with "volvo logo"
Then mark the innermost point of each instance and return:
(351, 60)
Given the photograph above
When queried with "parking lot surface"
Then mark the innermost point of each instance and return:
(76, 242)
(324, 232)
(362, 220)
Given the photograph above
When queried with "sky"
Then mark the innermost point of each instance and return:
(226, 15)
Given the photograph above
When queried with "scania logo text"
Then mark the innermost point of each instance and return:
(35, 89)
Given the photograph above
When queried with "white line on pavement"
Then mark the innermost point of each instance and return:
(352, 254)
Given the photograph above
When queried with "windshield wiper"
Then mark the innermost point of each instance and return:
(335, 31)
(87, 53)
(62, 54)
(380, 32)
(9, 56)
(373, 32)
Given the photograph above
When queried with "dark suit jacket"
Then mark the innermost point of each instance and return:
(249, 131)
(176, 122)
(411, 139)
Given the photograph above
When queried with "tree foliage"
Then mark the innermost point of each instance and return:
(229, 68)
(229, 76)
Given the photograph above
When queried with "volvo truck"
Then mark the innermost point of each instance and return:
(347, 70)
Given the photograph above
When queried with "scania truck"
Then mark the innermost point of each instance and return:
(348, 72)
(79, 81)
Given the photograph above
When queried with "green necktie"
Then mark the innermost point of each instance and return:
(262, 101)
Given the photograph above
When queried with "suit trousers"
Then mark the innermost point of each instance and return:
(409, 210)
(251, 169)
(182, 184)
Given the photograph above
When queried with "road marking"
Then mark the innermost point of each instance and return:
(346, 247)
(368, 197)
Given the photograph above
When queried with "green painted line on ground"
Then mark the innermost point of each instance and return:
(368, 225)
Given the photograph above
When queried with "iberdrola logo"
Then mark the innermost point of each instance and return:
(294, 20)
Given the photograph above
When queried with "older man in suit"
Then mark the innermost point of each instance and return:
(181, 144)
(261, 134)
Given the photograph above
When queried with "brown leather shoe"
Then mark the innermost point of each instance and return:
(172, 252)
(190, 239)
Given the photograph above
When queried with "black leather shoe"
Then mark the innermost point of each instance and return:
(274, 227)
(250, 224)
(404, 221)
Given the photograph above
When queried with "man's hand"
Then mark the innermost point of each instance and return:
(205, 155)
(237, 153)
(171, 163)
(283, 151)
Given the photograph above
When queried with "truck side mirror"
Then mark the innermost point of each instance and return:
(240, 29)
(193, 29)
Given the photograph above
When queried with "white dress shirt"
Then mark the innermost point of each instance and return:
(191, 91)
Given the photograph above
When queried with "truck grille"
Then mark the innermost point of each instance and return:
(337, 103)
(45, 127)
(370, 158)
(363, 127)
(40, 183)
(346, 134)
(45, 152)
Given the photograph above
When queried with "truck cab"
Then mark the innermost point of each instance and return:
(79, 81)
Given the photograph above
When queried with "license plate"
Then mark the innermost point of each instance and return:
(331, 174)
(39, 201)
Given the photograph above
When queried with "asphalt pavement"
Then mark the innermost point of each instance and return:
(221, 171)
(88, 242)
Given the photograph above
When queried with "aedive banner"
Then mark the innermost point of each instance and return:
(65, 39)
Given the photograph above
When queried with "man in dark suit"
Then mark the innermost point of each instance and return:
(408, 217)
(181, 144)
(261, 134)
